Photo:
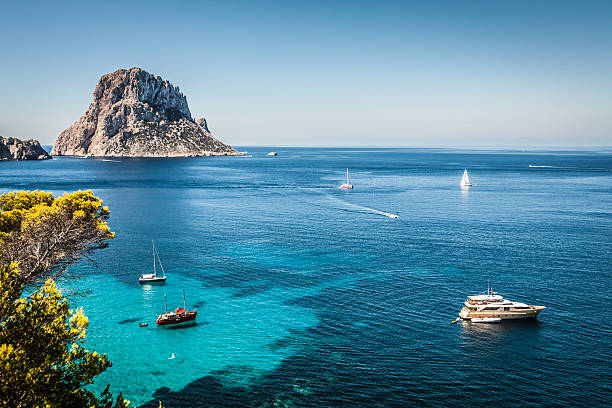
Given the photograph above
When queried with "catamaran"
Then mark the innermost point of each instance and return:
(347, 185)
(180, 315)
(465, 180)
(493, 308)
(152, 277)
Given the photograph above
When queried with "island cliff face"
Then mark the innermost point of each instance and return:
(136, 114)
(15, 149)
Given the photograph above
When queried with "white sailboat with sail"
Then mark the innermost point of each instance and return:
(153, 277)
(465, 180)
(347, 185)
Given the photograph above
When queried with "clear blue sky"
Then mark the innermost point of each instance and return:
(457, 73)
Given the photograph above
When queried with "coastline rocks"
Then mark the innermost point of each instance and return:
(137, 114)
(15, 149)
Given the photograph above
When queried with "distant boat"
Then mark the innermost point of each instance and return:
(272, 154)
(152, 277)
(178, 317)
(347, 185)
(465, 180)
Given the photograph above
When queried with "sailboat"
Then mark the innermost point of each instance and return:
(180, 315)
(347, 185)
(152, 277)
(465, 180)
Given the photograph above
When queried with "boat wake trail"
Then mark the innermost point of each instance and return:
(361, 208)
(533, 166)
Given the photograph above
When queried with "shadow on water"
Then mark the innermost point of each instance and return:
(199, 304)
(253, 290)
(513, 324)
(130, 320)
(183, 326)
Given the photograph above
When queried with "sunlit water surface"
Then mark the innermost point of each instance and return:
(308, 295)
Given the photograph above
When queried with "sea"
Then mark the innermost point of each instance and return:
(313, 296)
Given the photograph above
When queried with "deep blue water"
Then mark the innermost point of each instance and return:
(308, 296)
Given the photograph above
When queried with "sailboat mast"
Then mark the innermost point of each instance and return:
(347, 176)
(160, 263)
(184, 305)
(154, 268)
(165, 304)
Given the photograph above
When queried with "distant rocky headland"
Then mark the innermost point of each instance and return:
(15, 149)
(137, 114)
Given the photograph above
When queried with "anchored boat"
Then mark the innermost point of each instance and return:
(152, 277)
(493, 308)
(180, 316)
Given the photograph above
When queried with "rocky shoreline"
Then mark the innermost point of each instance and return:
(16, 149)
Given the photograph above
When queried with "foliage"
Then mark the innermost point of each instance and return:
(44, 234)
(42, 359)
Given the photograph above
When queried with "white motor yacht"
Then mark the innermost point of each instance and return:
(493, 306)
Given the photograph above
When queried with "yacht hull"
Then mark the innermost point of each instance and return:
(177, 319)
(504, 315)
(154, 281)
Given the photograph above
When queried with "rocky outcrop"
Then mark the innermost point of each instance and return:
(136, 114)
(15, 149)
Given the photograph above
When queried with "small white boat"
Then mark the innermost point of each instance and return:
(486, 319)
(272, 154)
(347, 185)
(465, 180)
(152, 277)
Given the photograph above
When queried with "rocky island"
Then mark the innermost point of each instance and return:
(137, 114)
(15, 149)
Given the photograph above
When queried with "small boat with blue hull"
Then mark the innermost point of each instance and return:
(153, 278)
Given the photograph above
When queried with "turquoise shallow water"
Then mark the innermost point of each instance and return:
(308, 296)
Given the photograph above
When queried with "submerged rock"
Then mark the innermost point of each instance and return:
(15, 149)
(137, 114)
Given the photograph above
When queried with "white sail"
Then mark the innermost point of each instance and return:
(465, 180)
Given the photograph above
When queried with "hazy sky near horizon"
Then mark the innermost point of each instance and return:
(343, 73)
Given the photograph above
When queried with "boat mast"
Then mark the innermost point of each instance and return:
(165, 304)
(160, 263)
(184, 307)
(347, 176)
(154, 270)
